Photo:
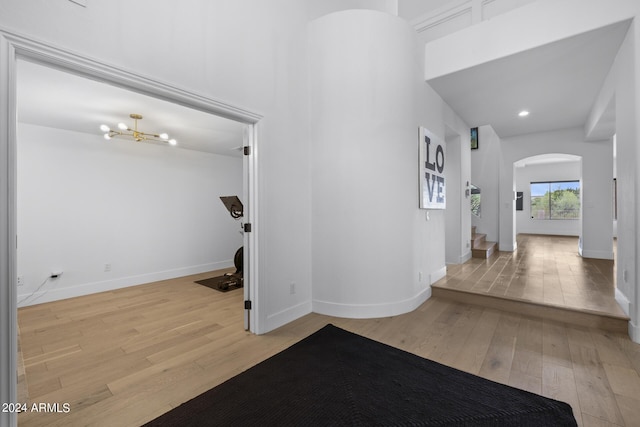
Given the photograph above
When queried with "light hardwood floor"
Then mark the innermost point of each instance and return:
(544, 269)
(124, 357)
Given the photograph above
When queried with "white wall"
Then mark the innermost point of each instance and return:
(520, 30)
(151, 212)
(560, 171)
(627, 95)
(251, 54)
(597, 176)
(374, 252)
(458, 212)
(485, 168)
(453, 231)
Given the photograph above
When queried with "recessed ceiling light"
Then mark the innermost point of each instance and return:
(523, 113)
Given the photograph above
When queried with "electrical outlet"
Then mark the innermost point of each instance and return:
(292, 288)
(20, 280)
(107, 267)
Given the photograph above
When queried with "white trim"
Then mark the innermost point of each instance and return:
(634, 332)
(120, 282)
(597, 254)
(439, 274)
(43, 53)
(368, 311)
(288, 315)
(622, 301)
(256, 323)
(442, 15)
(8, 275)
(625, 304)
(461, 259)
(13, 46)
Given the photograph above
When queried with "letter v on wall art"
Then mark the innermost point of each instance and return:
(432, 156)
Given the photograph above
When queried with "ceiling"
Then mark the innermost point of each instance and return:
(53, 98)
(557, 83)
(546, 159)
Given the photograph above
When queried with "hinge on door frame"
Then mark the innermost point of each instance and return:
(247, 150)
(247, 227)
(247, 305)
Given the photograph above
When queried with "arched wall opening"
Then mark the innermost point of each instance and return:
(596, 234)
(530, 173)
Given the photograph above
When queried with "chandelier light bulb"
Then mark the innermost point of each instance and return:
(136, 134)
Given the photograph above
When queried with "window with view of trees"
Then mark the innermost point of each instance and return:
(555, 200)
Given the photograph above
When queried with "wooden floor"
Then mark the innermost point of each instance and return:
(124, 357)
(544, 269)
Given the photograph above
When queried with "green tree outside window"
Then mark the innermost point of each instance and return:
(555, 200)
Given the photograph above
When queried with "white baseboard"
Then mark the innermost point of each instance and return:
(368, 311)
(597, 254)
(439, 274)
(56, 290)
(283, 317)
(622, 301)
(461, 259)
(634, 332)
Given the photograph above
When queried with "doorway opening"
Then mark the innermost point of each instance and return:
(16, 51)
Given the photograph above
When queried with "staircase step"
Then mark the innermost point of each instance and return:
(483, 249)
(590, 319)
(477, 239)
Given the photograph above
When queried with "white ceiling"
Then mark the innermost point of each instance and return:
(53, 98)
(546, 159)
(557, 83)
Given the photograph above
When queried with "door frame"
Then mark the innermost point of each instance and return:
(14, 46)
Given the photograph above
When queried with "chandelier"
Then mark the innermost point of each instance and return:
(135, 134)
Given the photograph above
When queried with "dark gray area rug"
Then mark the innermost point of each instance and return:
(221, 283)
(338, 378)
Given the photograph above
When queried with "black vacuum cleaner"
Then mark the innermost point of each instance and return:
(235, 208)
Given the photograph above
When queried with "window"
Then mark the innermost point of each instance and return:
(475, 200)
(555, 200)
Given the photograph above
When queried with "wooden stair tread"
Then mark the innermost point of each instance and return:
(484, 245)
(582, 317)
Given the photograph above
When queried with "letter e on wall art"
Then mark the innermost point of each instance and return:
(432, 155)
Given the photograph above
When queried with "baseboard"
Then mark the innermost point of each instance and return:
(369, 311)
(597, 254)
(53, 292)
(288, 315)
(507, 247)
(439, 274)
(634, 332)
(466, 257)
(622, 301)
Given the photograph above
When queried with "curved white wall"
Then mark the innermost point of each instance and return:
(366, 227)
